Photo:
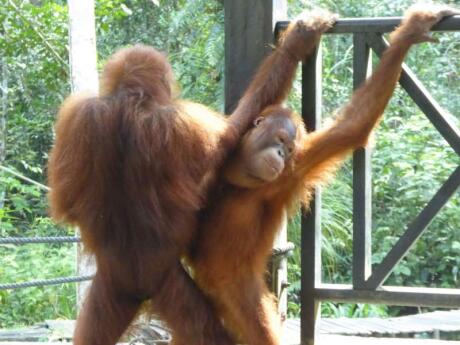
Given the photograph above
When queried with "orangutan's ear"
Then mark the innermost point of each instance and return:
(259, 120)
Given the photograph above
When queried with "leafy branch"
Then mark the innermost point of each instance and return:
(40, 35)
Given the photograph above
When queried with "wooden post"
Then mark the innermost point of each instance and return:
(84, 77)
(310, 311)
(249, 26)
(362, 175)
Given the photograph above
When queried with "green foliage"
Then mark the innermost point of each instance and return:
(33, 262)
(37, 81)
(33, 48)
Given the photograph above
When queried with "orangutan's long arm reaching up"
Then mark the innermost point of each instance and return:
(363, 112)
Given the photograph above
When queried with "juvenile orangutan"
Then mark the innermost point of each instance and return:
(275, 167)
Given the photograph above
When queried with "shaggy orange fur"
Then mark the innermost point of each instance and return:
(132, 167)
(238, 229)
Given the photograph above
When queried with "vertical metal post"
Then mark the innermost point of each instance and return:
(311, 221)
(362, 184)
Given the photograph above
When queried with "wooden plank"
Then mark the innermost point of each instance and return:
(311, 221)
(24, 334)
(403, 296)
(55, 329)
(347, 340)
(362, 177)
(434, 112)
(447, 321)
(380, 25)
(341, 326)
(327, 328)
(414, 230)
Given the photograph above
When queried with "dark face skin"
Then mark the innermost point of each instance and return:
(263, 152)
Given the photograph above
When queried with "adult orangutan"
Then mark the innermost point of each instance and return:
(274, 168)
(133, 166)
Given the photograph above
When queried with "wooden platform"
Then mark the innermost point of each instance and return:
(291, 336)
(322, 340)
(343, 330)
(438, 321)
(348, 340)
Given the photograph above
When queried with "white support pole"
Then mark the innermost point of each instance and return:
(83, 54)
(84, 77)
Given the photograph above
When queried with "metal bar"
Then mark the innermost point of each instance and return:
(414, 230)
(311, 222)
(391, 295)
(421, 96)
(381, 25)
(362, 173)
